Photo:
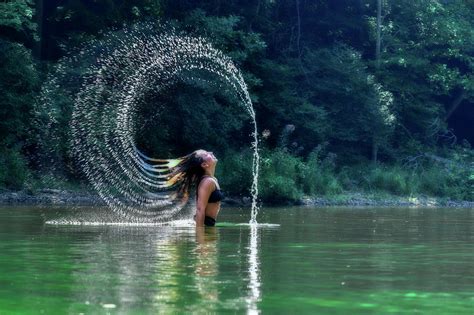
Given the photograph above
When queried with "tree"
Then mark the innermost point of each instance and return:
(427, 64)
(18, 86)
(359, 109)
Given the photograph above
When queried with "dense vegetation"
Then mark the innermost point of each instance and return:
(368, 95)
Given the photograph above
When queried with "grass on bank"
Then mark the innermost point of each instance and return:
(286, 178)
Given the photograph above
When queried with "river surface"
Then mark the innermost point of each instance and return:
(311, 261)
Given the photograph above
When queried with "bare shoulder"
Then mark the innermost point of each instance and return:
(206, 186)
(207, 183)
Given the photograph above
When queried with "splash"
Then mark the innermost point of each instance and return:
(122, 71)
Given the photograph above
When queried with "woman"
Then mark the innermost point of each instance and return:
(198, 169)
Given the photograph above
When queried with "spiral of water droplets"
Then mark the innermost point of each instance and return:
(104, 120)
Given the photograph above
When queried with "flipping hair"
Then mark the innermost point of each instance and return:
(179, 174)
(186, 174)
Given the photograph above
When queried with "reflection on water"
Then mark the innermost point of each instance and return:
(164, 268)
(206, 268)
(126, 267)
(338, 261)
(254, 272)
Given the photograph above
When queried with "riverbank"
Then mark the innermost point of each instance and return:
(85, 198)
(374, 200)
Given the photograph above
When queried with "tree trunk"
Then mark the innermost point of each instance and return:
(375, 150)
(298, 37)
(257, 12)
(375, 145)
(379, 31)
(298, 41)
(38, 49)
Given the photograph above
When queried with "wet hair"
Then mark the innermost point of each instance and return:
(186, 174)
(178, 175)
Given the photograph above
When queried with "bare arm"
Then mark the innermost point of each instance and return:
(204, 191)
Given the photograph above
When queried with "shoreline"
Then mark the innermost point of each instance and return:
(370, 200)
(55, 197)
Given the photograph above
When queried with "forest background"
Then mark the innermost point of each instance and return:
(351, 96)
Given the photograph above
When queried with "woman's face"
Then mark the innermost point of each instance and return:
(207, 157)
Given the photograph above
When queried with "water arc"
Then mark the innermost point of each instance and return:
(104, 120)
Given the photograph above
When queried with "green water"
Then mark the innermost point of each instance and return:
(318, 261)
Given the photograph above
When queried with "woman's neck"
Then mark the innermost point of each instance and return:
(210, 172)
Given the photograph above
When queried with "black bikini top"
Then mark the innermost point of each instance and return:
(217, 195)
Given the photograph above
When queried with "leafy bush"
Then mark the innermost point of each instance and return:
(445, 182)
(317, 175)
(390, 179)
(13, 169)
(278, 177)
(278, 189)
(235, 173)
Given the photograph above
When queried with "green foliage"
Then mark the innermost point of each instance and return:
(18, 84)
(357, 105)
(193, 105)
(318, 176)
(392, 180)
(18, 14)
(235, 172)
(319, 96)
(80, 16)
(455, 175)
(13, 169)
(442, 183)
(432, 178)
(286, 178)
(426, 62)
(44, 180)
(280, 104)
(225, 34)
(278, 179)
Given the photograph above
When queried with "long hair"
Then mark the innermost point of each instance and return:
(178, 175)
(186, 174)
